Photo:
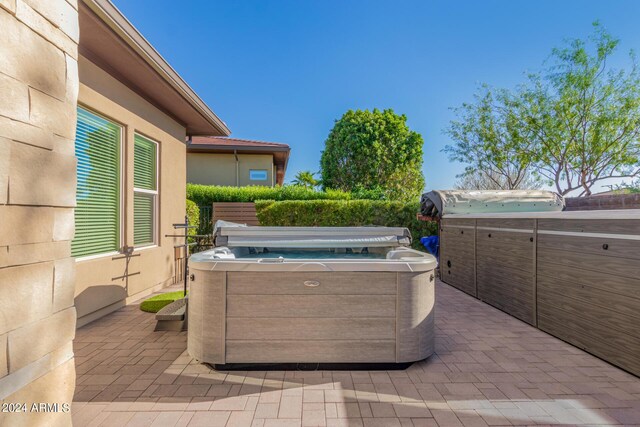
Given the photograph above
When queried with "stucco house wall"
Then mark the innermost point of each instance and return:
(222, 169)
(220, 160)
(49, 51)
(39, 75)
(125, 85)
(106, 283)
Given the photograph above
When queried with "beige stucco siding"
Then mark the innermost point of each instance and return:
(211, 169)
(220, 168)
(98, 288)
(255, 161)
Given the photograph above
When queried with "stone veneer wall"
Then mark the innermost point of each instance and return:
(38, 96)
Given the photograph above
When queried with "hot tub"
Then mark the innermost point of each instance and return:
(311, 295)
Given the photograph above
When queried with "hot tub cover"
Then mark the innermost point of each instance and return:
(438, 203)
(236, 235)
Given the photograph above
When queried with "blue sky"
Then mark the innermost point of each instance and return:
(284, 70)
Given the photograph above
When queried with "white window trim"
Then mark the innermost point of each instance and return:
(145, 247)
(122, 164)
(97, 256)
(156, 204)
(145, 191)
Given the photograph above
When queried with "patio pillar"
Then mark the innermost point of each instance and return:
(38, 89)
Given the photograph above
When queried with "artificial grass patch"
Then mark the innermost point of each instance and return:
(156, 303)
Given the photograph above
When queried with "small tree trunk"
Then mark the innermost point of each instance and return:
(587, 188)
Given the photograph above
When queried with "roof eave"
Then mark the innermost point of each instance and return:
(206, 148)
(120, 25)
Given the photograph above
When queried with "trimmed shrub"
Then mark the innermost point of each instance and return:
(345, 213)
(193, 213)
(376, 193)
(205, 195)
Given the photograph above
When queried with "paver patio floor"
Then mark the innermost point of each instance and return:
(489, 369)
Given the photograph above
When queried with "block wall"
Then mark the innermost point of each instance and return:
(38, 93)
(605, 202)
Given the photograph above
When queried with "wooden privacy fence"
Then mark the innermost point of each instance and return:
(577, 279)
(243, 213)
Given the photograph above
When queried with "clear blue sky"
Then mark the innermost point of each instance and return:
(284, 70)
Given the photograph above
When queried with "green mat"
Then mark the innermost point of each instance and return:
(156, 303)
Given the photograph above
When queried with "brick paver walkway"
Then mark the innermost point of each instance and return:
(489, 369)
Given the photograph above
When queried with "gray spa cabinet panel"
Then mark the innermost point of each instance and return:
(593, 326)
(274, 318)
(584, 263)
(455, 222)
(590, 297)
(601, 245)
(279, 329)
(415, 327)
(505, 271)
(328, 283)
(458, 271)
(307, 306)
(509, 249)
(513, 223)
(459, 238)
(311, 351)
(457, 255)
(589, 225)
(207, 303)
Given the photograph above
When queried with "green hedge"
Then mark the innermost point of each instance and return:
(205, 195)
(344, 213)
(193, 213)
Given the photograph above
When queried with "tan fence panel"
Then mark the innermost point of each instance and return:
(243, 213)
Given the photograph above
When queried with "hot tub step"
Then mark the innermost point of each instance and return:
(172, 317)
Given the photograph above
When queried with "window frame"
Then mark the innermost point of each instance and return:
(155, 193)
(121, 183)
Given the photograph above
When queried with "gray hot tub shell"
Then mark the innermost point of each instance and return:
(266, 310)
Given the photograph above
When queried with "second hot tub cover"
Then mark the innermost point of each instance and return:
(438, 203)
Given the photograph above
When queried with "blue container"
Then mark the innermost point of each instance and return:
(431, 244)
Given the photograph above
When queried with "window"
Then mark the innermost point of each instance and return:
(258, 174)
(145, 191)
(97, 212)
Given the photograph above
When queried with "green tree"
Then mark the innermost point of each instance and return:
(494, 181)
(489, 140)
(627, 188)
(574, 124)
(373, 150)
(306, 179)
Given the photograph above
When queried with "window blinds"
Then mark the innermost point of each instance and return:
(145, 190)
(97, 214)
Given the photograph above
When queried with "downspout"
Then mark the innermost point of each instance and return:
(186, 155)
(235, 154)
